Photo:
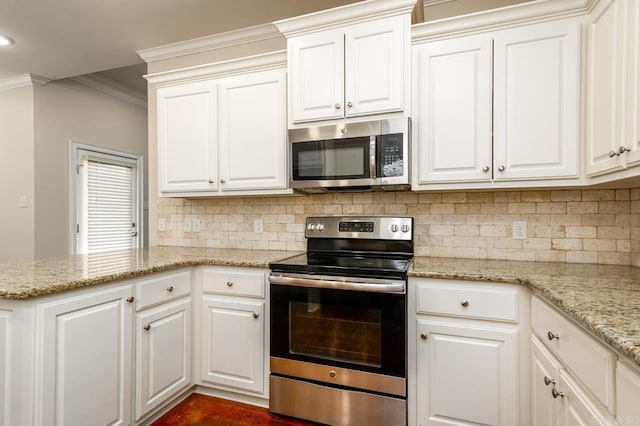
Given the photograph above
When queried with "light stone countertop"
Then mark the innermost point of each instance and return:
(603, 299)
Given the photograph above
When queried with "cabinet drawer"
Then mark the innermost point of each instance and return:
(162, 288)
(587, 359)
(234, 282)
(482, 301)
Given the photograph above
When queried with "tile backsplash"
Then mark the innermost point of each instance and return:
(584, 226)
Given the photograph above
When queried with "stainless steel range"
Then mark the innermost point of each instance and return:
(338, 323)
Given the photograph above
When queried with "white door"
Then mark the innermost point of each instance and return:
(453, 89)
(187, 138)
(631, 131)
(374, 66)
(545, 409)
(627, 393)
(604, 86)
(577, 408)
(536, 102)
(83, 372)
(233, 343)
(252, 125)
(316, 86)
(467, 374)
(163, 354)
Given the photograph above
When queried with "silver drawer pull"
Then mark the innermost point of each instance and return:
(170, 289)
(229, 283)
(131, 299)
(256, 315)
(556, 394)
(464, 303)
(424, 336)
(147, 327)
(552, 336)
(548, 381)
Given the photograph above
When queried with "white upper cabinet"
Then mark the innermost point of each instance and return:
(613, 87)
(497, 108)
(187, 136)
(222, 128)
(343, 63)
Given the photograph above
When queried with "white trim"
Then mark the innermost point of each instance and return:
(212, 42)
(22, 81)
(344, 15)
(262, 62)
(505, 17)
(110, 87)
(74, 148)
(427, 3)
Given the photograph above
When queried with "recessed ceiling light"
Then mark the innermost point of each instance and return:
(5, 41)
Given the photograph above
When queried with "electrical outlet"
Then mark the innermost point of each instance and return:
(258, 226)
(162, 225)
(186, 227)
(23, 201)
(519, 230)
(195, 224)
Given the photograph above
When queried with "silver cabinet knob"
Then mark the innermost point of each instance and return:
(147, 327)
(337, 106)
(555, 393)
(343, 130)
(486, 169)
(423, 336)
(612, 154)
(332, 374)
(501, 168)
(131, 299)
(256, 315)
(548, 381)
(552, 336)
(170, 289)
(222, 181)
(622, 150)
(229, 283)
(349, 104)
(464, 303)
(210, 180)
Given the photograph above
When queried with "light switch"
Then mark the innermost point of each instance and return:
(195, 224)
(162, 225)
(23, 201)
(187, 225)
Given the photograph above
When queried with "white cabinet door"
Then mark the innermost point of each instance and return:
(453, 112)
(545, 409)
(467, 374)
(163, 355)
(374, 67)
(631, 131)
(187, 138)
(252, 125)
(536, 103)
(5, 367)
(316, 64)
(627, 395)
(577, 408)
(604, 86)
(83, 368)
(233, 343)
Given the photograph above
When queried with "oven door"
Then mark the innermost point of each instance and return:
(340, 337)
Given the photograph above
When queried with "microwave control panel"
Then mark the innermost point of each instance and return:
(390, 155)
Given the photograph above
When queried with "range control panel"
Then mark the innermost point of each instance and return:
(382, 228)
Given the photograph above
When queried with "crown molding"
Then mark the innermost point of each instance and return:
(505, 17)
(427, 3)
(110, 87)
(262, 62)
(213, 42)
(344, 15)
(22, 81)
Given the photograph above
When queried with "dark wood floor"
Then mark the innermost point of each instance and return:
(202, 410)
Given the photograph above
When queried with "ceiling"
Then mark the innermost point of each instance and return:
(67, 38)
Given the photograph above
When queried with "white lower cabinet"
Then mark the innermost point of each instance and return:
(83, 360)
(627, 395)
(5, 367)
(234, 350)
(470, 353)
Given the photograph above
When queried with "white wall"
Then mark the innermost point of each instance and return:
(16, 173)
(64, 110)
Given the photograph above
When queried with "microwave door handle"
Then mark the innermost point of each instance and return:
(372, 157)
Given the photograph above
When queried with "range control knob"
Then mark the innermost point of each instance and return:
(405, 228)
(311, 226)
(394, 228)
(320, 227)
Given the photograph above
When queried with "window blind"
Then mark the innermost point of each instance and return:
(111, 203)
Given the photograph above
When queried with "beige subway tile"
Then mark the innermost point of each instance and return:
(551, 256)
(582, 207)
(598, 195)
(514, 254)
(623, 194)
(314, 209)
(295, 209)
(442, 251)
(635, 259)
(566, 244)
(454, 241)
(418, 209)
(493, 253)
(536, 196)
(395, 209)
(506, 219)
(277, 245)
(581, 231)
(422, 251)
(609, 258)
(431, 240)
(332, 209)
(454, 197)
(634, 194)
(448, 209)
(507, 243)
(566, 219)
(537, 244)
(623, 246)
(582, 257)
(507, 197)
(373, 209)
(635, 206)
(406, 198)
(494, 230)
(623, 219)
(481, 242)
(466, 253)
(428, 219)
(537, 219)
(521, 208)
(480, 197)
(384, 198)
(419, 229)
(480, 219)
(599, 244)
(454, 219)
(614, 207)
(352, 209)
(552, 208)
(430, 198)
(495, 208)
(566, 195)
(278, 209)
(617, 232)
(296, 246)
(444, 230)
(260, 245)
(342, 198)
(466, 230)
(598, 219)
(286, 236)
(467, 208)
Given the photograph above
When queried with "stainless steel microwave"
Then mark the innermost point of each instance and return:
(362, 156)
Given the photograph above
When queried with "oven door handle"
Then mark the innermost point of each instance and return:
(371, 285)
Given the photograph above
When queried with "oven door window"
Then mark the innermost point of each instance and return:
(331, 159)
(357, 330)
